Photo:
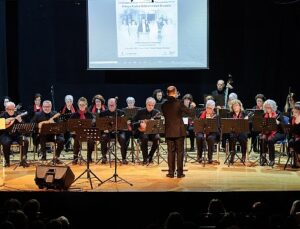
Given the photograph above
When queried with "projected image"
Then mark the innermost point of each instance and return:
(141, 34)
(145, 31)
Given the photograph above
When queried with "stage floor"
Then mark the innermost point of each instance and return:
(211, 178)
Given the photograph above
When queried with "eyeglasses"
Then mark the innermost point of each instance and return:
(10, 109)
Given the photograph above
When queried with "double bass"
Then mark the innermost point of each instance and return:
(228, 86)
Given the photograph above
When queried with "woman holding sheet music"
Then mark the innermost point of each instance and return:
(237, 112)
(271, 137)
(211, 138)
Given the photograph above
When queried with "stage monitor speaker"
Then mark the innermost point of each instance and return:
(54, 177)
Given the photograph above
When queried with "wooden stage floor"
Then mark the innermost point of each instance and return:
(211, 178)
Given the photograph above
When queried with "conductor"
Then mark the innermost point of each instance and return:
(174, 110)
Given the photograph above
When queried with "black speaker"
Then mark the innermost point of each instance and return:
(54, 177)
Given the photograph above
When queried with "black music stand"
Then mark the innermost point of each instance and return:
(110, 124)
(75, 125)
(55, 129)
(23, 129)
(130, 114)
(87, 134)
(156, 126)
(234, 126)
(205, 126)
(222, 112)
(263, 125)
(292, 156)
(116, 124)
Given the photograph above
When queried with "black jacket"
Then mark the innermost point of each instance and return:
(174, 110)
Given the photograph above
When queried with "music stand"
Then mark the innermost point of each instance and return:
(87, 134)
(109, 124)
(23, 129)
(291, 155)
(156, 126)
(222, 112)
(234, 126)
(130, 112)
(53, 129)
(263, 125)
(205, 126)
(75, 125)
(119, 123)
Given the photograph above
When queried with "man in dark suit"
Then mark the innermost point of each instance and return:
(174, 110)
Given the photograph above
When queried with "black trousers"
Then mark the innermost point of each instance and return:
(145, 138)
(211, 139)
(175, 150)
(121, 139)
(50, 138)
(90, 148)
(242, 139)
(269, 144)
(6, 140)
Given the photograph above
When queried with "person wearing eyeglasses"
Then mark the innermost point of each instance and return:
(43, 118)
(7, 138)
(82, 113)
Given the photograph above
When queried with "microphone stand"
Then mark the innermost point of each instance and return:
(114, 178)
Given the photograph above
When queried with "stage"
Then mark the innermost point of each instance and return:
(152, 178)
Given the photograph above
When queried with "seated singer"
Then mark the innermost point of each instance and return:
(270, 138)
(237, 112)
(6, 138)
(45, 117)
(139, 125)
(294, 142)
(106, 136)
(174, 110)
(82, 113)
(211, 138)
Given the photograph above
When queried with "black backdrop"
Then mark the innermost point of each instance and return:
(256, 41)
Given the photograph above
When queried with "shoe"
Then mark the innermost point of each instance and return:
(180, 175)
(145, 162)
(210, 161)
(124, 162)
(199, 160)
(58, 161)
(24, 163)
(7, 164)
(170, 175)
(75, 161)
(104, 160)
(272, 163)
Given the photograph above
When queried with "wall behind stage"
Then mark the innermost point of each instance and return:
(254, 40)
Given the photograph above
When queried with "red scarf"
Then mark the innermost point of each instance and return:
(239, 116)
(65, 108)
(82, 114)
(35, 109)
(203, 115)
(94, 110)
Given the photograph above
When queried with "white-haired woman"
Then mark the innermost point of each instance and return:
(211, 137)
(271, 137)
(237, 112)
(68, 108)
